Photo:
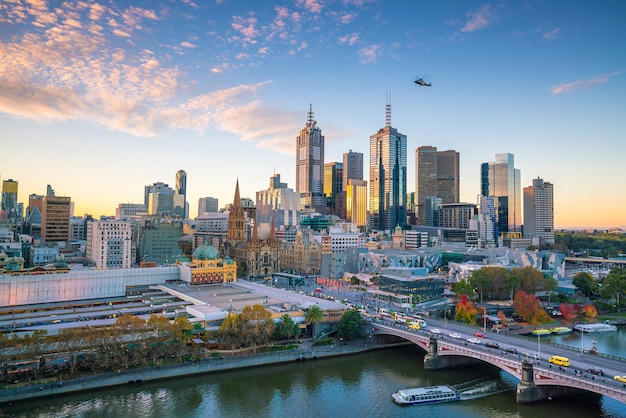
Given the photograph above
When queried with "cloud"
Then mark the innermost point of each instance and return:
(580, 84)
(370, 54)
(553, 34)
(187, 44)
(121, 33)
(313, 6)
(349, 39)
(478, 20)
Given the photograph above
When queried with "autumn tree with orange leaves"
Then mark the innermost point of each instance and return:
(527, 307)
(466, 311)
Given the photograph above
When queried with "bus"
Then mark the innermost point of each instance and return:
(559, 361)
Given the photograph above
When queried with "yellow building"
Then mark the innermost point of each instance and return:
(207, 267)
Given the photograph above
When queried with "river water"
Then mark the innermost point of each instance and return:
(351, 386)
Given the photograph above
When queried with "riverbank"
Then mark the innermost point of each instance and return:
(180, 370)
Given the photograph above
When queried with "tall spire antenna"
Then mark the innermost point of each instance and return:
(388, 111)
(310, 121)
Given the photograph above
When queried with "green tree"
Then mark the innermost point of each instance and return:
(512, 284)
(614, 286)
(585, 283)
(463, 287)
(285, 327)
(312, 316)
(350, 325)
(480, 281)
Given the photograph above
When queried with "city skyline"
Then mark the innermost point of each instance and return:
(101, 99)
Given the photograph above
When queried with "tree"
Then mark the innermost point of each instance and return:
(512, 284)
(313, 315)
(350, 325)
(481, 281)
(614, 285)
(257, 324)
(285, 327)
(585, 283)
(527, 306)
(230, 332)
(462, 288)
(466, 311)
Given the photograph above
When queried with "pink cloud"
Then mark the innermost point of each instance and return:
(349, 39)
(313, 6)
(478, 20)
(553, 34)
(370, 54)
(580, 84)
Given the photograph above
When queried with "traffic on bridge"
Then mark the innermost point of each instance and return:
(527, 359)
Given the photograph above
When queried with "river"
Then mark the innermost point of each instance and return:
(359, 385)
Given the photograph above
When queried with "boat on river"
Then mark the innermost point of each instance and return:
(542, 332)
(430, 394)
(561, 330)
(595, 327)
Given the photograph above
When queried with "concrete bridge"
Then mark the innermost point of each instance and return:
(539, 381)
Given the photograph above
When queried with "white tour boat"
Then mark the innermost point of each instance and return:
(595, 327)
(431, 394)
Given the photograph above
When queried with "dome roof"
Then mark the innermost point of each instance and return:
(205, 252)
(228, 260)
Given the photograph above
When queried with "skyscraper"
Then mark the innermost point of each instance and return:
(310, 166)
(55, 219)
(387, 177)
(181, 189)
(501, 180)
(356, 203)
(207, 205)
(436, 175)
(539, 212)
(10, 208)
(352, 167)
(333, 187)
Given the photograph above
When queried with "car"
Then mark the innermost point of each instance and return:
(492, 344)
(596, 370)
(511, 350)
(435, 331)
(531, 356)
(455, 336)
(473, 340)
(480, 334)
(620, 379)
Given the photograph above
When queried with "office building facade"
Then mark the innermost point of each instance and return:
(437, 174)
(501, 180)
(387, 197)
(539, 212)
(310, 166)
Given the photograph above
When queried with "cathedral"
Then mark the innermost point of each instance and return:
(259, 257)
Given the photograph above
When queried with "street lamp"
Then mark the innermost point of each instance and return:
(538, 344)
(484, 319)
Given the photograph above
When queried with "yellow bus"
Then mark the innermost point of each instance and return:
(559, 361)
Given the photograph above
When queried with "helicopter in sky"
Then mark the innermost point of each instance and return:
(420, 82)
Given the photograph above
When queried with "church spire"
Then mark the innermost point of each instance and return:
(236, 219)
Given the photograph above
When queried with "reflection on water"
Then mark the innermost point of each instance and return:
(351, 386)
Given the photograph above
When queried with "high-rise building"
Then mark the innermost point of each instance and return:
(356, 203)
(352, 167)
(310, 166)
(387, 195)
(55, 218)
(279, 205)
(436, 175)
(539, 212)
(448, 177)
(11, 210)
(501, 180)
(163, 200)
(109, 244)
(181, 189)
(333, 188)
(207, 205)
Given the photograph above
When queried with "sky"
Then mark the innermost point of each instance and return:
(101, 98)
